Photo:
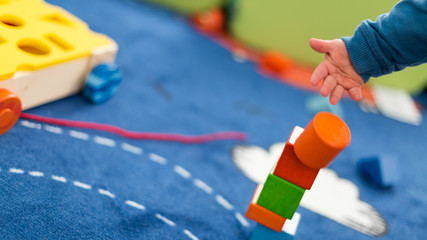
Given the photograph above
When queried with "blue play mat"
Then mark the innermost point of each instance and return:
(69, 183)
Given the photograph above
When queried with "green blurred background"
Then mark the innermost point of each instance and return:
(287, 26)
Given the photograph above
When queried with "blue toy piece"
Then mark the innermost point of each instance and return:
(318, 103)
(262, 233)
(381, 170)
(102, 83)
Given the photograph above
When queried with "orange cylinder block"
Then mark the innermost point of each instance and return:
(322, 140)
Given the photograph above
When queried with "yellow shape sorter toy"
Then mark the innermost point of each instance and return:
(46, 54)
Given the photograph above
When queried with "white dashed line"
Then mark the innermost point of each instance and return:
(165, 220)
(82, 185)
(79, 135)
(223, 202)
(132, 149)
(182, 172)
(190, 235)
(104, 141)
(16, 170)
(202, 185)
(36, 174)
(106, 193)
(29, 124)
(59, 178)
(53, 129)
(242, 220)
(135, 205)
(156, 158)
(135, 150)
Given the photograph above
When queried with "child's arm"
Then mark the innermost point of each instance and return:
(394, 41)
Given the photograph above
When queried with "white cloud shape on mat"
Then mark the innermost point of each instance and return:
(330, 196)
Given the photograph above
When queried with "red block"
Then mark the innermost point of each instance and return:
(290, 168)
(262, 215)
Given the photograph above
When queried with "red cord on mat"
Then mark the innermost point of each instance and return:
(139, 135)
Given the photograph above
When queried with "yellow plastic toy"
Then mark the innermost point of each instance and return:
(47, 54)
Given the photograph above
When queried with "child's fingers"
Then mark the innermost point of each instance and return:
(355, 93)
(321, 46)
(328, 85)
(336, 94)
(319, 74)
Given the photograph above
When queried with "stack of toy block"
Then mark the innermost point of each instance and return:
(305, 153)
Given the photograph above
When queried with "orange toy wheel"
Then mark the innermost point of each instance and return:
(10, 109)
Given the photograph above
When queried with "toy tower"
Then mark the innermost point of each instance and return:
(305, 153)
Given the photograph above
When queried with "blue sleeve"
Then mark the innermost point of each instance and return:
(396, 40)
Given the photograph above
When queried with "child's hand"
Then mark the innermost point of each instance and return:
(336, 71)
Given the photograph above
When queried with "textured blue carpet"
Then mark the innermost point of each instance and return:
(64, 183)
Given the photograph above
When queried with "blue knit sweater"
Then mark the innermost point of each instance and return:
(396, 40)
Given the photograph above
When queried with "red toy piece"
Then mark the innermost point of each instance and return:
(274, 63)
(211, 21)
(290, 168)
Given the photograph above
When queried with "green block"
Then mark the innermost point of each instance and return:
(280, 196)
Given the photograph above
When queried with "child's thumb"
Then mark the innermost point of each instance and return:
(321, 46)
